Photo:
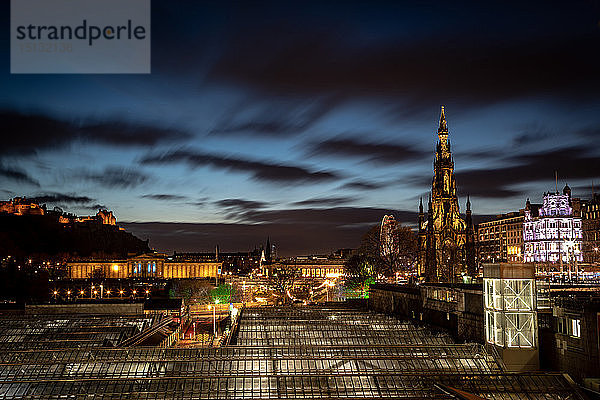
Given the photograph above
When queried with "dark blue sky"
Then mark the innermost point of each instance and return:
(309, 121)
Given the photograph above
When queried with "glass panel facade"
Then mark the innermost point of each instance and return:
(510, 312)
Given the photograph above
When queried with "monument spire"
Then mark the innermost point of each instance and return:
(445, 229)
(443, 128)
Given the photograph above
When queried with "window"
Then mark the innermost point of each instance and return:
(574, 327)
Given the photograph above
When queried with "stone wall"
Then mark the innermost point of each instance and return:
(563, 351)
(104, 308)
(455, 308)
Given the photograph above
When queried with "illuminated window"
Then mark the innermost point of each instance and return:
(575, 327)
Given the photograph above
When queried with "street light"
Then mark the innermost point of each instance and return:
(215, 317)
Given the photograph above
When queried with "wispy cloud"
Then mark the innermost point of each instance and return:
(164, 197)
(259, 170)
(116, 177)
(381, 153)
(28, 133)
(18, 175)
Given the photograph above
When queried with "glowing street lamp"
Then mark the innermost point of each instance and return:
(215, 317)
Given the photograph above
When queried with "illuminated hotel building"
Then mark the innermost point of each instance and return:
(555, 235)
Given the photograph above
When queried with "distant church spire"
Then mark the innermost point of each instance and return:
(470, 263)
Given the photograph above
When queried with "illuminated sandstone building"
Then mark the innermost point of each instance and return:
(144, 266)
(501, 240)
(21, 206)
(446, 241)
(318, 267)
(103, 217)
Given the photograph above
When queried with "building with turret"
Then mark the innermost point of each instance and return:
(555, 235)
(446, 240)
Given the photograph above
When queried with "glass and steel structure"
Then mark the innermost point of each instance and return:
(280, 353)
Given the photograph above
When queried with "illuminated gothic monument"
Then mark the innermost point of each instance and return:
(446, 241)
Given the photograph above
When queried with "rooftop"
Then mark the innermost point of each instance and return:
(292, 353)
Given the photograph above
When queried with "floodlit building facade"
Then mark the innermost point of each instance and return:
(21, 206)
(144, 266)
(446, 241)
(590, 226)
(555, 235)
(501, 240)
(309, 267)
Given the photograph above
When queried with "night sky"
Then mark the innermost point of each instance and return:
(308, 122)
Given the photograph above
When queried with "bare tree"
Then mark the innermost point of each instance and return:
(282, 279)
(193, 291)
(393, 254)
